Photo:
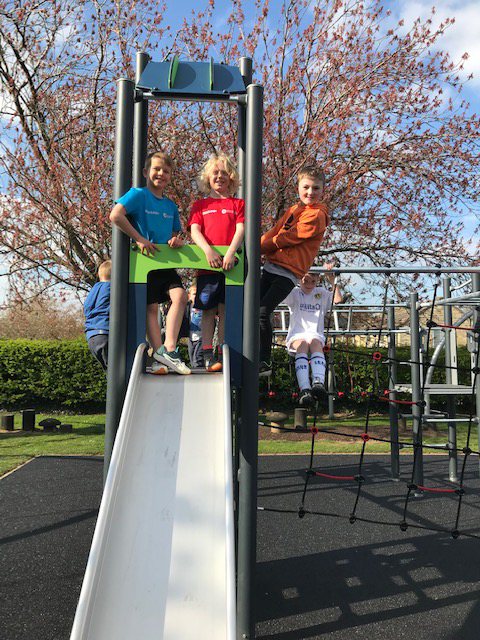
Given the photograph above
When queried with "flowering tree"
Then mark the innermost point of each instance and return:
(369, 104)
(344, 87)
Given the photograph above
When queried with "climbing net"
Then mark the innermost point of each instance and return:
(416, 485)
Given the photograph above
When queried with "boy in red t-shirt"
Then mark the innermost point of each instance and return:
(218, 219)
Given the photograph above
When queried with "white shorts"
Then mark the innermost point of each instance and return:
(308, 337)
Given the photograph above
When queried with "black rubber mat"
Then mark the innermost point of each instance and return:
(319, 576)
(48, 512)
(322, 576)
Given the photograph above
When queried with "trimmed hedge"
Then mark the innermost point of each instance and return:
(63, 375)
(50, 374)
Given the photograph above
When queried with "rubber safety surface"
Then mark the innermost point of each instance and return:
(317, 577)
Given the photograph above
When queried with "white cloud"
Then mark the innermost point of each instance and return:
(461, 37)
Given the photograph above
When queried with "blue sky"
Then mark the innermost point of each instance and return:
(463, 36)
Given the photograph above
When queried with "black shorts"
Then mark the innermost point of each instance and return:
(210, 291)
(160, 282)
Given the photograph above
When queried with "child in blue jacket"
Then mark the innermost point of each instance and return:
(97, 315)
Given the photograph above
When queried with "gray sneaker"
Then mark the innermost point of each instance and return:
(172, 360)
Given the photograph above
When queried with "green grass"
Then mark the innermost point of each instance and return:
(351, 420)
(20, 446)
(88, 439)
(340, 425)
(321, 446)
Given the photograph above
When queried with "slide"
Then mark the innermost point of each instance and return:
(162, 560)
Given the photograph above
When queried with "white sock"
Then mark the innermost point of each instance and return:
(301, 369)
(318, 364)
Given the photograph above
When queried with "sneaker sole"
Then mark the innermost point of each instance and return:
(161, 371)
(214, 368)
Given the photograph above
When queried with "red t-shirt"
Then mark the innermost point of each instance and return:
(218, 218)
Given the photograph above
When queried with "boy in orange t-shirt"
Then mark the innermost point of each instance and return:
(290, 248)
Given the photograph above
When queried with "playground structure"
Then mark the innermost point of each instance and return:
(146, 505)
(149, 482)
(421, 388)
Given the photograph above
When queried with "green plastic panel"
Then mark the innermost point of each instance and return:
(172, 71)
(211, 74)
(187, 257)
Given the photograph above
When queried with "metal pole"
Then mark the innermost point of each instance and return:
(116, 380)
(392, 381)
(245, 66)
(452, 427)
(331, 384)
(248, 454)
(416, 390)
(140, 126)
(476, 359)
(410, 269)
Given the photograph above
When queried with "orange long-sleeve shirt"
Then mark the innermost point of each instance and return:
(294, 241)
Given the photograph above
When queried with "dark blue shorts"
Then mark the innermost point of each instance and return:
(210, 291)
(160, 282)
(98, 345)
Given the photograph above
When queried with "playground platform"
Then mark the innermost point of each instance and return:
(317, 577)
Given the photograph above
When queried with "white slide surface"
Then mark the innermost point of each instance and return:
(161, 564)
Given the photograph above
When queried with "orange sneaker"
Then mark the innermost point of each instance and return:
(159, 369)
(211, 364)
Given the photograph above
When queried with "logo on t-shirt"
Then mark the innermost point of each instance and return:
(158, 213)
(307, 306)
(223, 211)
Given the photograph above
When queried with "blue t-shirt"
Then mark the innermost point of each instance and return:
(154, 218)
(97, 309)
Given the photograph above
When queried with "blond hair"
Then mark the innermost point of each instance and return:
(158, 154)
(204, 175)
(105, 271)
(313, 172)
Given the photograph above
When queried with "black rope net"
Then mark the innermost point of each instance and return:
(456, 490)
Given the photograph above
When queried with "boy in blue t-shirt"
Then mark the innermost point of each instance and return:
(97, 315)
(150, 219)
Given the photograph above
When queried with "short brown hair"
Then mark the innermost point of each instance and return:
(311, 171)
(158, 154)
(105, 271)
